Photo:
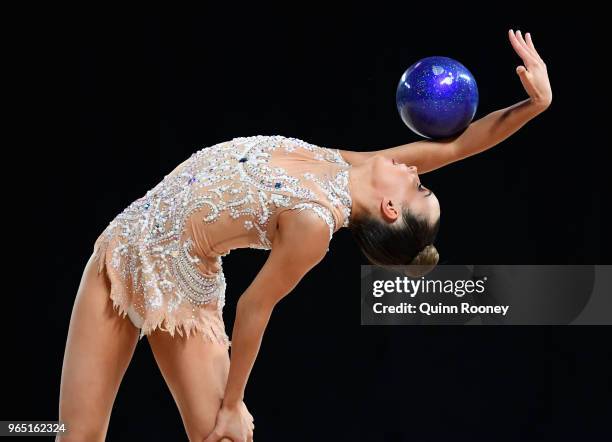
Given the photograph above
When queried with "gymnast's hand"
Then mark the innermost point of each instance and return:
(533, 74)
(233, 424)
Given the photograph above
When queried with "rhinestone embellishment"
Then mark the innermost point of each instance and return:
(234, 178)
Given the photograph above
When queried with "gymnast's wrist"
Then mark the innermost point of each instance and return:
(541, 104)
(231, 402)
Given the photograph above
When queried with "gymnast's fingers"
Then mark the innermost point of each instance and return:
(522, 52)
(532, 46)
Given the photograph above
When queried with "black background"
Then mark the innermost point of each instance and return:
(113, 104)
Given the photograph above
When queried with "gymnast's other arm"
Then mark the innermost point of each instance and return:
(300, 242)
(484, 133)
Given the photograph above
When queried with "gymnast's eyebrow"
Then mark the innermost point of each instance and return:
(430, 192)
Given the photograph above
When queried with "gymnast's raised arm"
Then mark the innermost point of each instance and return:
(300, 242)
(428, 155)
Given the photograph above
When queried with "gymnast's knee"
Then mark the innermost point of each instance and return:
(200, 428)
(82, 433)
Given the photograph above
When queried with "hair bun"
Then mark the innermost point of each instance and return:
(424, 262)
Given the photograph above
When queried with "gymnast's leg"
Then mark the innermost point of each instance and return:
(195, 370)
(99, 348)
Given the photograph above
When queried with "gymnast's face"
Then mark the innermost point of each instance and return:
(399, 186)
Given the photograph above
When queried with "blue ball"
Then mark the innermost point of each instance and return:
(437, 97)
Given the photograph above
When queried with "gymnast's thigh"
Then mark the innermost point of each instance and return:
(99, 347)
(196, 370)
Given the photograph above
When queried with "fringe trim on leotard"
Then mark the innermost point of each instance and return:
(208, 323)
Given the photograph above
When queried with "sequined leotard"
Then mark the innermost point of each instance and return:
(163, 253)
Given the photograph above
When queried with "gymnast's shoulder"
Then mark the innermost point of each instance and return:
(304, 234)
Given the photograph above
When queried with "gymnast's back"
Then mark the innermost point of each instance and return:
(224, 197)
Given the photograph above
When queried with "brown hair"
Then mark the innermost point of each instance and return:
(408, 243)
